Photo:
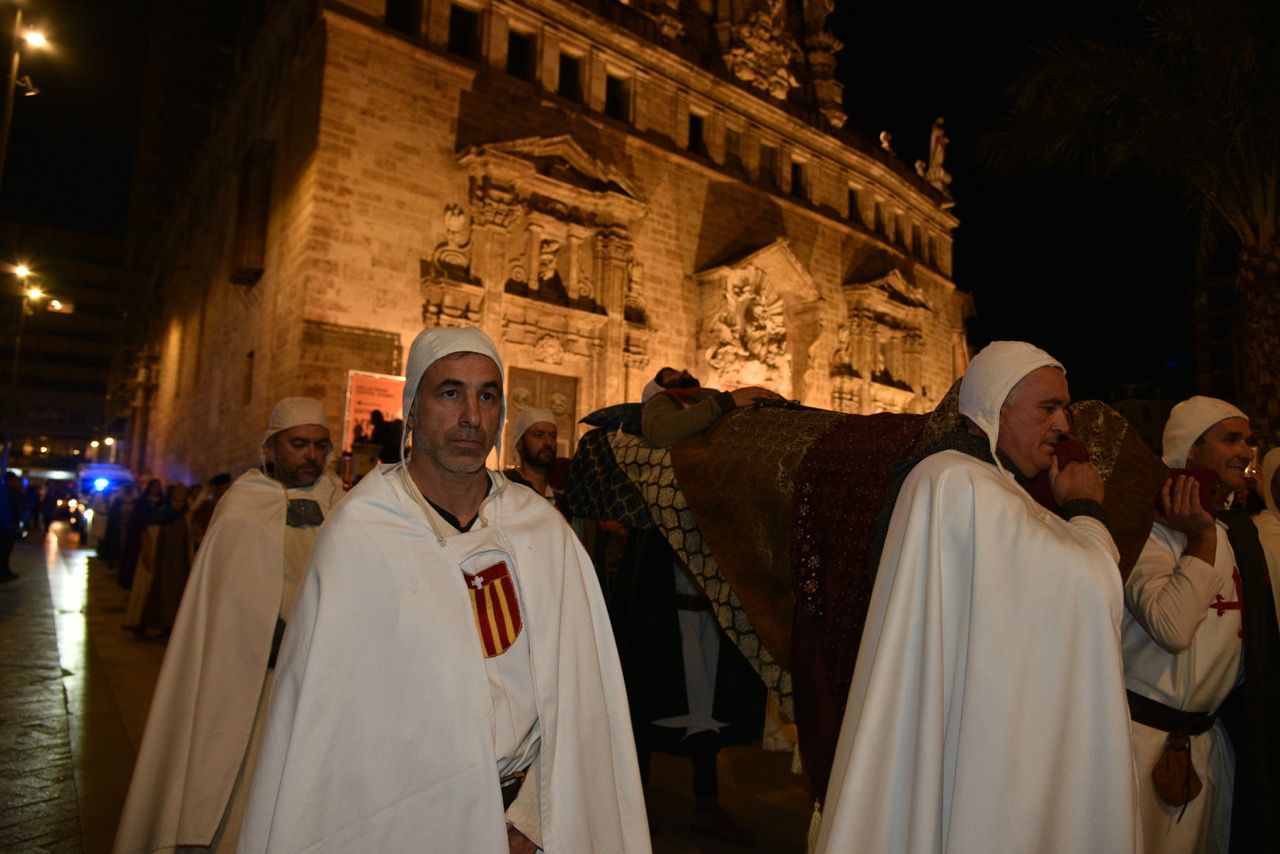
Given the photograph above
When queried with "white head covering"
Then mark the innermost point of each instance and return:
(431, 346)
(295, 412)
(990, 377)
(529, 416)
(291, 412)
(1270, 463)
(1188, 421)
(651, 389)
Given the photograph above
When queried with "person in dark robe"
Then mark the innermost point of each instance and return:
(134, 527)
(691, 691)
(170, 551)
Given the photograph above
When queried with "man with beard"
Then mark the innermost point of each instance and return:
(535, 437)
(190, 783)
(677, 407)
(448, 682)
(691, 691)
(1200, 649)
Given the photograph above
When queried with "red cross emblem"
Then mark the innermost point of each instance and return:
(497, 609)
(1222, 605)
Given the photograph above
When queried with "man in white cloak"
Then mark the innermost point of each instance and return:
(191, 779)
(1268, 520)
(1183, 632)
(987, 709)
(449, 681)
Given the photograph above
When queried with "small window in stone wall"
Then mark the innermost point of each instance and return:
(732, 149)
(697, 138)
(570, 84)
(854, 212)
(799, 180)
(249, 250)
(768, 166)
(404, 15)
(617, 97)
(246, 382)
(521, 55)
(464, 32)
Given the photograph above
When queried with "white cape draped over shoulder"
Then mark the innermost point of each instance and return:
(206, 699)
(987, 710)
(380, 736)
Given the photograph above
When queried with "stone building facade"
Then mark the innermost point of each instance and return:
(604, 187)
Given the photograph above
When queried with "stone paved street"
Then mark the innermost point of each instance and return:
(74, 693)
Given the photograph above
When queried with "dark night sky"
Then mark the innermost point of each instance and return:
(1096, 272)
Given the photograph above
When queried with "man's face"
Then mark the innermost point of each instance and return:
(297, 455)
(1032, 419)
(537, 447)
(1227, 448)
(671, 378)
(455, 418)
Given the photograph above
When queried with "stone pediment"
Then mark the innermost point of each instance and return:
(777, 262)
(892, 287)
(554, 168)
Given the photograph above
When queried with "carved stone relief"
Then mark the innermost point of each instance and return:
(750, 331)
(451, 258)
(886, 318)
(762, 52)
(549, 349)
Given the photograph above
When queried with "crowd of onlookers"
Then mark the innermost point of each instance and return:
(147, 536)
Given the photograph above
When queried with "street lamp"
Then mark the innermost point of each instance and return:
(34, 39)
(31, 296)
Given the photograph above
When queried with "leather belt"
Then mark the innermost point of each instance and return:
(1157, 715)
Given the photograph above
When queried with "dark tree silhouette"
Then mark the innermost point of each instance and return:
(1195, 105)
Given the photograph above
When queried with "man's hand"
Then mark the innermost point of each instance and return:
(1077, 480)
(749, 395)
(1180, 501)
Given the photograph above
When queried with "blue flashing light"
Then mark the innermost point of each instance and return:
(100, 484)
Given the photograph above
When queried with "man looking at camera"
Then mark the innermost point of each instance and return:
(449, 682)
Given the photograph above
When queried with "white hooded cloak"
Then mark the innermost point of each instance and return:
(205, 709)
(987, 710)
(381, 730)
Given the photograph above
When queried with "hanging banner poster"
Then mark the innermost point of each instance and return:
(367, 392)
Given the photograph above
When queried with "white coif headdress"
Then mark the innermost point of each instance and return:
(529, 416)
(990, 377)
(1188, 421)
(293, 412)
(431, 346)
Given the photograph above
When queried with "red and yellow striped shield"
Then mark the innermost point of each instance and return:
(493, 598)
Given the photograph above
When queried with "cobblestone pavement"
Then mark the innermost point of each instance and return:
(74, 694)
(37, 776)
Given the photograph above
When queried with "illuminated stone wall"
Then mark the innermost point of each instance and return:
(652, 213)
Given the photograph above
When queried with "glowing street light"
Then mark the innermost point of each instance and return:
(34, 294)
(30, 38)
(22, 271)
(109, 441)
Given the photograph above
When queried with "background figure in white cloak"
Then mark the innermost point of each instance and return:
(1268, 520)
(190, 782)
(449, 682)
(1200, 650)
(987, 709)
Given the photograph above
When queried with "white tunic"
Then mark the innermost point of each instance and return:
(987, 710)
(204, 715)
(1182, 648)
(380, 735)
